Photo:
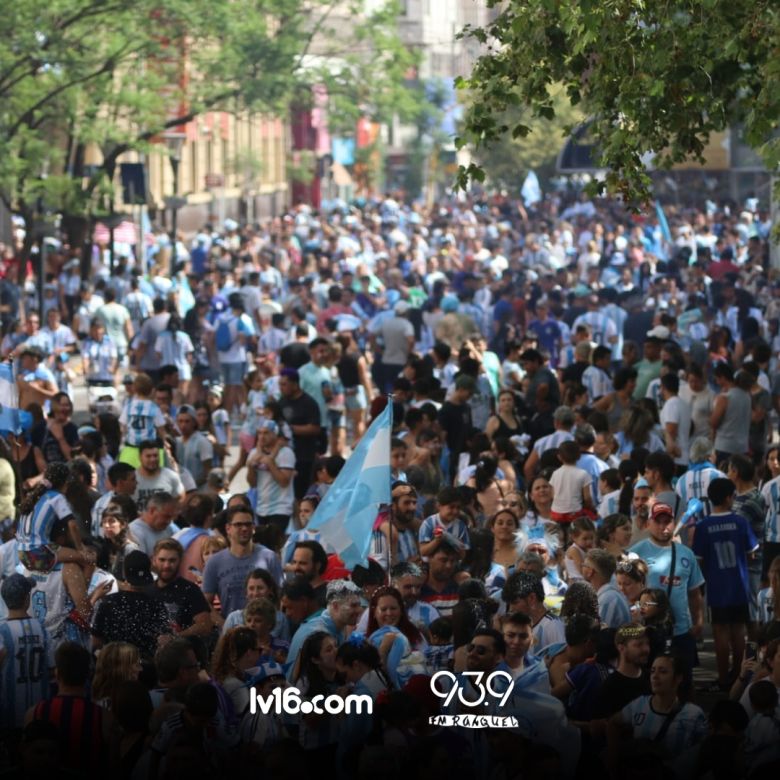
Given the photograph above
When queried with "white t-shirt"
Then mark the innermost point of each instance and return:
(272, 498)
(567, 484)
(675, 410)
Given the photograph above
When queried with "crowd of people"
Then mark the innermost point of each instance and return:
(583, 478)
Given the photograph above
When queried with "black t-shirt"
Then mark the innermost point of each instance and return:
(617, 691)
(132, 617)
(303, 410)
(455, 420)
(294, 355)
(183, 600)
(41, 437)
(573, 374)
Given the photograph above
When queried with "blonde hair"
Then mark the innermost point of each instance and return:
(116, 663)
(213, 545)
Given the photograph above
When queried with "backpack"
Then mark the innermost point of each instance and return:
(223, 338)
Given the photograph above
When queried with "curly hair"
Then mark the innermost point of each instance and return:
(54, 478)
(580, 599)
(116, 663)
(231, 647)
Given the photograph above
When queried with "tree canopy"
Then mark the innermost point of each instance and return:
(118, 73)
(655, 76)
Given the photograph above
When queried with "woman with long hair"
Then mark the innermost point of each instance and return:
(508, 459)
(480, 564)
(540, 498)
(662, 717)
(108, 425)
(636, 430)
(769, 601)
(114, 525)
(504, 524)
(173, 347)
(316, 673)
(117, 662)
(504, 423)
(359, 664)
(356, 380)
(237, 651)
(771, 464)
(489, 488)
(614, 535)
(394, 635)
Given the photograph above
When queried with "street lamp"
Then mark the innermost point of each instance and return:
(174, 142)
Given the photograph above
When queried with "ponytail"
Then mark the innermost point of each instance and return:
(628, 471)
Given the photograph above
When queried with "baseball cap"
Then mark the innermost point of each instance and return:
(269, 425)
(659, 332)
(138, 568)
(128, 379)
(401, 307)
(15, 589)
(661, 509)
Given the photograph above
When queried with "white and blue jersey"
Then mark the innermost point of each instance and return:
(99, 357)
(141, 419)
(24, 673)
(457, 529)
(694, 483)
(602, 328)
(723, 542)
(407, 547)
(771, 494)
(35, 528)
(594, 466)
(597, 382)
(687, 577)
(548, 631)
(552, 441)
(688, 728)
(614, 610)
(298, 536)
(609, 504)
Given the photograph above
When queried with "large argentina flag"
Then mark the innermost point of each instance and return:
(9, 401)
(345, 517)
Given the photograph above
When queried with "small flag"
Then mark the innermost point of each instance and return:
(531, 191)
(345, 517)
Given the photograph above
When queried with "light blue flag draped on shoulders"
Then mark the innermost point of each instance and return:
(345, 517)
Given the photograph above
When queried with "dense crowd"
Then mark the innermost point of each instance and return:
(583, 481)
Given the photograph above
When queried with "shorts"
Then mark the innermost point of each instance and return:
(336, 419)
(233, 373)
(39, 559)
(738, 613)
(564, 518)
(248, 441)
(355, 398)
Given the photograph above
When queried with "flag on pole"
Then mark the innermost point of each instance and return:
(9, 400)
(345, 517)
(531, 191)
(662, 222)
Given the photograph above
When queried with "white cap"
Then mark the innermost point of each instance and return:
(659, 332)
(401, 307)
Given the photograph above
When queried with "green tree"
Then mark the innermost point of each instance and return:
(507, 160)
(655, 75)
(118, 73)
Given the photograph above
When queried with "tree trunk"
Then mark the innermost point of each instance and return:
(78, 234)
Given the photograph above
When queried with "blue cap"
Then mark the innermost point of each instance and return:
(15, 590)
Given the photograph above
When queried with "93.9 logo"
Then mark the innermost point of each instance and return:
(496, 685)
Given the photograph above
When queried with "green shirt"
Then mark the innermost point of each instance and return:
(646, 372)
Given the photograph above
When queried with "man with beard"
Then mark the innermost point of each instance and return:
(309, 561)
(187, 608)
(152, 478)
(630, 679)
(395, 540)
(440, 588)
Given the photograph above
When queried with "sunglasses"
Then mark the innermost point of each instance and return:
(625, 567)
(644, 604)
(478, 649)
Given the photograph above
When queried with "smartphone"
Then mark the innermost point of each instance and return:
(751, 651)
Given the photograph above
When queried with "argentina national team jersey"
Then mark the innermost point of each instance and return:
(35, 528)
(771, 494)
(552, 441)
(687, 728)
(597, 382)
(694, 484)
(141, 419)
(609, 504)
(24, 674)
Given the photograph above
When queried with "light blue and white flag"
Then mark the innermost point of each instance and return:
(9, 400)
(345, 517)
(531, 191)
(663, 222)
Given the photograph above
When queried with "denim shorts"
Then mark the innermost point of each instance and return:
(355, 398)
(233, 373)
